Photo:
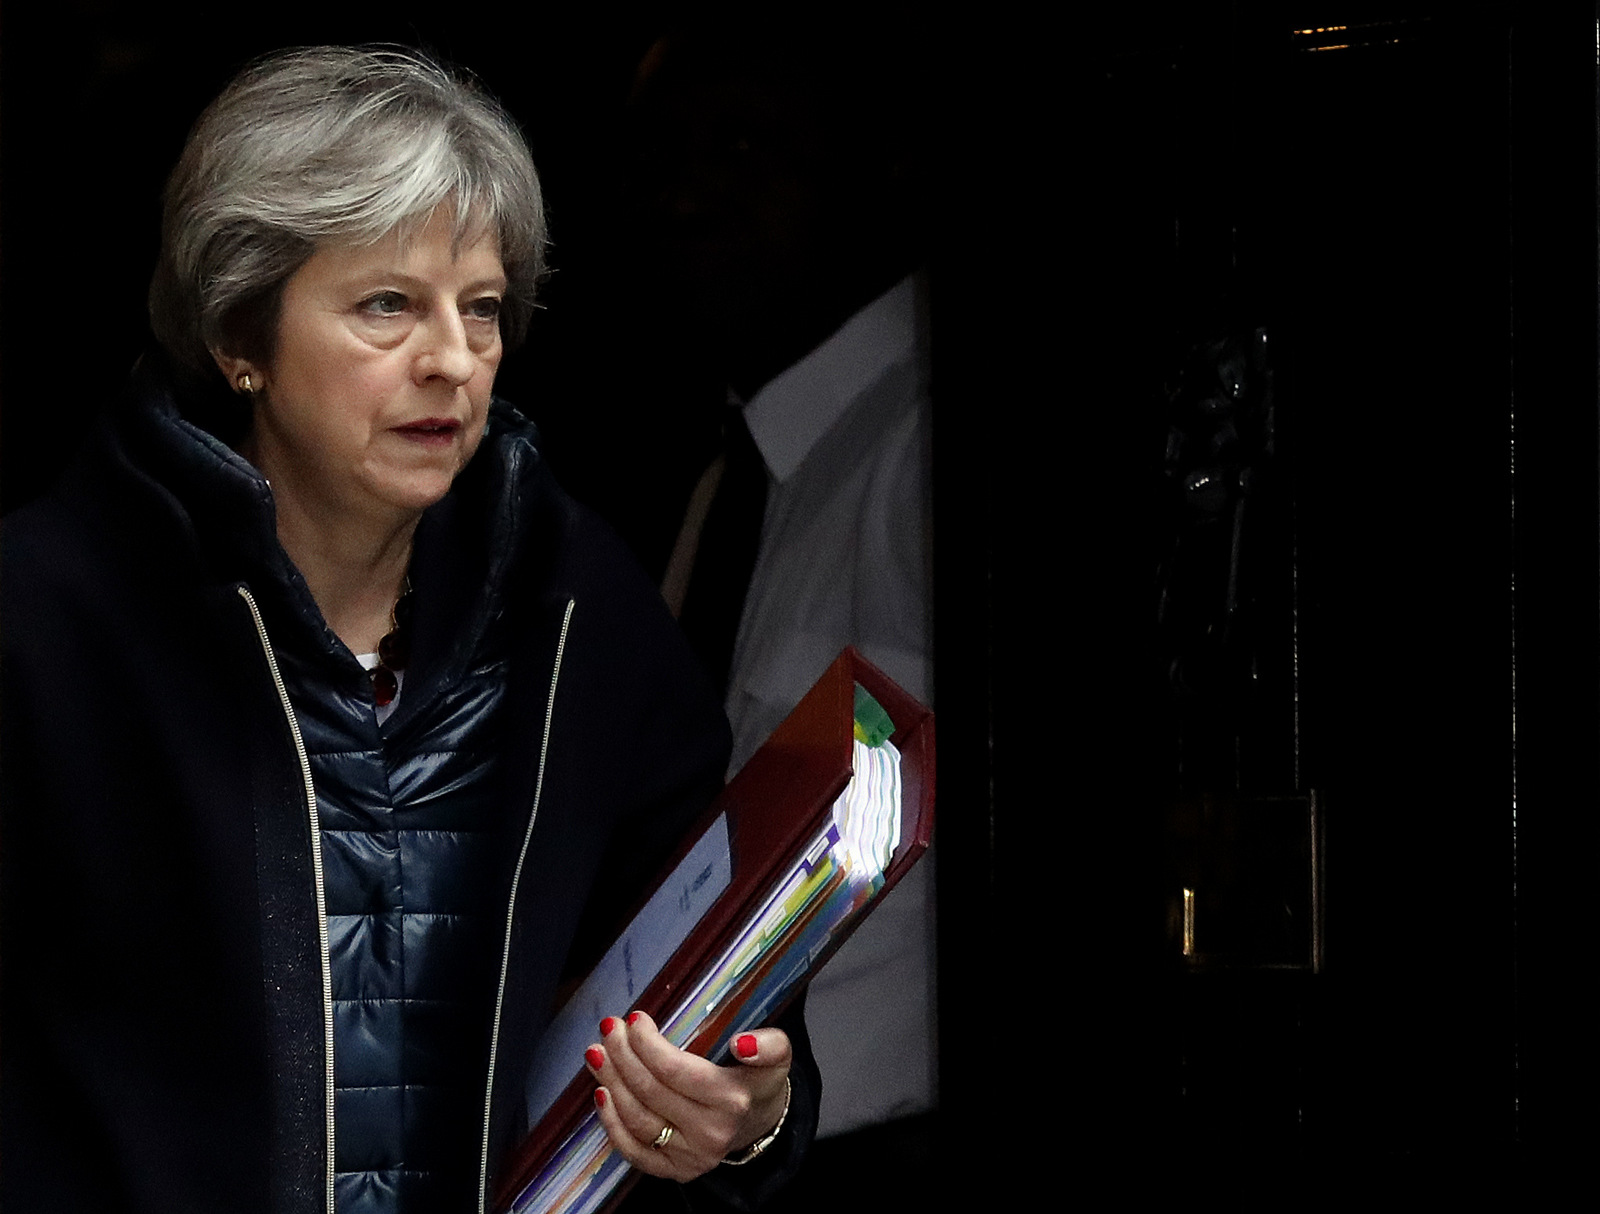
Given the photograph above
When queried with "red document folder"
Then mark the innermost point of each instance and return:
(776, 806)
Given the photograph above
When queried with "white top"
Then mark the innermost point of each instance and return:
(844, 560)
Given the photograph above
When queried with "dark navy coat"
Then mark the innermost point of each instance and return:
(164, 996)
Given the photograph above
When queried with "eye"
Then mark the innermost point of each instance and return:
(384, 303)
(485, 308)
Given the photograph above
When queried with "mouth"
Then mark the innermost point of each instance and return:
(430, 431)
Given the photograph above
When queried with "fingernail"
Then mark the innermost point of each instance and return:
(599, 1098)
(606, 1025)
(633, 1017)
(595, 1057)
(745, 1046)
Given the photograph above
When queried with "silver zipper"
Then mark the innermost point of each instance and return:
(316, 873)
(511, 909)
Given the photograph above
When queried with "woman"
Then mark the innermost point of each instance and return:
(335, 735)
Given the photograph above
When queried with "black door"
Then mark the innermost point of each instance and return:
(1272, 553)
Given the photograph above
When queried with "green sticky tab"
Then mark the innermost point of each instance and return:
(873, 725)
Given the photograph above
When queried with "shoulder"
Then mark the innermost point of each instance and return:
(52, 554)
(566, 551)
(103, 531)
(621, 636)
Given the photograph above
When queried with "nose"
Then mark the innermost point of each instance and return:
(446, 354)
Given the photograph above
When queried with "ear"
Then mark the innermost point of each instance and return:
(234, 369)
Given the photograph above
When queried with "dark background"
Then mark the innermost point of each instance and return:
(1408, 207)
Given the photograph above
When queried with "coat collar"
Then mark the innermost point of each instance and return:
(174, 433)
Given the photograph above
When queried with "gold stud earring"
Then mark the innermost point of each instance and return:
(245, 385)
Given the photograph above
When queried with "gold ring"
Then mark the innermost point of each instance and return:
(662, 1138)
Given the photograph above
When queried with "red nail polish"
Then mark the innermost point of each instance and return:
(595, 1057)
(745, 1046)
(599, 1098)
(606, 1025)
(633, 1017)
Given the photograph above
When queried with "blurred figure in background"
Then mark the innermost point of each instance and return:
(777, 198)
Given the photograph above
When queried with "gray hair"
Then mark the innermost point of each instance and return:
(332, 145)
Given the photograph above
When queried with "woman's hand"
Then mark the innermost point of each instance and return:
(648, 1085)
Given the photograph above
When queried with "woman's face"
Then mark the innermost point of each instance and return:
(379, 389)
